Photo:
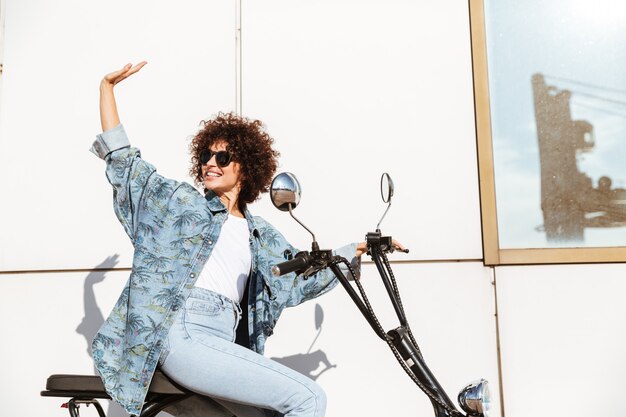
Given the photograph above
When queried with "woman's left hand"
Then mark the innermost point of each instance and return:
(361, 247)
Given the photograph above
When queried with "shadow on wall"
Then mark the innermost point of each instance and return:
(307, 363)
(93, 318)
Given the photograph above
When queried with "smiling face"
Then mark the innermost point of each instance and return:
(255, 160)
(221, 180)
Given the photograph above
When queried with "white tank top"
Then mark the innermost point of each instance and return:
(226, 271)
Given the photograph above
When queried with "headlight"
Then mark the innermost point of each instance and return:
(475, 398)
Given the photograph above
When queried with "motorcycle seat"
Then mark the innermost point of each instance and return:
(62, 385)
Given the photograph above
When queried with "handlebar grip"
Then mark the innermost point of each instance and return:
(301, 262)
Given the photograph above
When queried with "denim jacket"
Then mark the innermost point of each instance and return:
(173, 228)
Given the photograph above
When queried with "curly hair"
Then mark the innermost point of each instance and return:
(250, 146)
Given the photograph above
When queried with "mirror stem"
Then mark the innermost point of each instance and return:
(301, 224)
(381, 219)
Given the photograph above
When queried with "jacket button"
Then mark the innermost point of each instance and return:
(210, 242)
(192, 275)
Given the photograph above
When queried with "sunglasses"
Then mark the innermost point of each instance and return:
(222, 158)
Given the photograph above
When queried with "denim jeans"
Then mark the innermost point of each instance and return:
(201, 355)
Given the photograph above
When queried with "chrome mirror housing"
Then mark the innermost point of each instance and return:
(285, 191)
(285, 194)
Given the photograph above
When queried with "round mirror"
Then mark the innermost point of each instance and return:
(386, 187)
(285, 191)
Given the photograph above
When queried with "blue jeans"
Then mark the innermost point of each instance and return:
(201, 355)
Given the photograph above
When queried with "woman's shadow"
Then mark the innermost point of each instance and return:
(93, 318)
(307, 363)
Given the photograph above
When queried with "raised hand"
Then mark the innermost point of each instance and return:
(116, 76)
(108, 107)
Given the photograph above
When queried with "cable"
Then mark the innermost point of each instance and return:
(609, 100)
(600, 109)
(569, 80)
(393, 348)
(397, 294)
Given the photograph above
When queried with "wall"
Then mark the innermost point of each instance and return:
(349, 90)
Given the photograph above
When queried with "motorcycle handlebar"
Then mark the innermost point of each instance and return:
(300, 263)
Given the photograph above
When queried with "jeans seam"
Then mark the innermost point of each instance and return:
(184, 324)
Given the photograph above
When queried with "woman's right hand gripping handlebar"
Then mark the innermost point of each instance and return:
(108, 109)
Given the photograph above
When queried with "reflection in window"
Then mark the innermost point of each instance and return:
(569, 201)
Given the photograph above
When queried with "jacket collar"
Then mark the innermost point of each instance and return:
(252, 223)
(214, 202)
(216, 206)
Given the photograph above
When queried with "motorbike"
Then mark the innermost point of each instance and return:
(474, 398)
(285, 193)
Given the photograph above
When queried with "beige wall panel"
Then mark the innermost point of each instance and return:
(351, 89)
(57, 209)
(451, 311)
(563, 339)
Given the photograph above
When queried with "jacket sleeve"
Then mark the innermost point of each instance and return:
(294, 289)
(323, 281)
(134, 181)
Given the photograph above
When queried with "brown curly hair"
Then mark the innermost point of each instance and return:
(250, 146)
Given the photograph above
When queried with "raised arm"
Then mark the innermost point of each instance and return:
(109, 117)
(132, 178)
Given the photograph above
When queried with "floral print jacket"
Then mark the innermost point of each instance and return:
(173, 228)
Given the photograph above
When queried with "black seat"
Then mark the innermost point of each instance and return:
(60, 385)
(84, 389)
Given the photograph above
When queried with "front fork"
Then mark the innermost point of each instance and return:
(402, 342)
(400, 336)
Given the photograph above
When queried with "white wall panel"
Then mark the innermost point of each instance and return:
(451, 311)
(449, 306)
(57, 210)
(47, 322)
(563, 339)
(350, 89)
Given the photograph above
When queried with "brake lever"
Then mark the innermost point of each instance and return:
(393, 249)
(321, 260)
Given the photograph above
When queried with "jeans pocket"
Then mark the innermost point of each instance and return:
(197, 306)
(203, 318)
(201, 312)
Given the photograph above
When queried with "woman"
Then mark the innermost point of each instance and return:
(195, 255)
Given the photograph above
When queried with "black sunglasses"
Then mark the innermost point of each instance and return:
(222, 158)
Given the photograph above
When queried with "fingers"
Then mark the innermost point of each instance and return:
(361, 248)
(136, 68)
(116, 74)
(128, 70)
(399, 246)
